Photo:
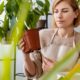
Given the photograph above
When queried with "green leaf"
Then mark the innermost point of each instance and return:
(1, 7)
(18, 2)
(61, 78)
(18, 27)
(6, 24)
(12, 8)
(1, 32)
(46, 7)
(37, 11)
(40, 3)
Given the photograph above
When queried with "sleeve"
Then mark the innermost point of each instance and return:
(37, 59)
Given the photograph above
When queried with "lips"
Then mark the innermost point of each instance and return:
(60, 21)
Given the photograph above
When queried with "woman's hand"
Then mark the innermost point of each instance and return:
(47, 64)
(22, 45)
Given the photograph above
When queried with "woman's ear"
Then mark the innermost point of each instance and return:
(76, 13)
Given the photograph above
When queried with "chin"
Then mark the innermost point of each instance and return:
(60, 27)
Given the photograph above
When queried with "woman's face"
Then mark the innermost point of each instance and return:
(64, 15)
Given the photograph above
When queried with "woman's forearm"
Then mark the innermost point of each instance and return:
(29, 65)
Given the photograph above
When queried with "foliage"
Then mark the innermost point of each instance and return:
(41, 8)
(5, 73)
(12, 7)
(1, 7)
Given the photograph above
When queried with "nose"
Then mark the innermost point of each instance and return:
(59, 14)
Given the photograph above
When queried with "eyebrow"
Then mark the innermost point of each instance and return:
(63, 9)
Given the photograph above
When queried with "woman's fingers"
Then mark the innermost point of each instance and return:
(21, 44)
(47, 61)
(47, 64)
(21, 41)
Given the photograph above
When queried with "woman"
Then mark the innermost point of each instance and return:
(55, 42)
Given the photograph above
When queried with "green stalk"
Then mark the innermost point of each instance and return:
(15, 36)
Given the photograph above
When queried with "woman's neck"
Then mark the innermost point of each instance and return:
(66, 32)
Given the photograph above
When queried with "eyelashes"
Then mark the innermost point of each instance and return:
(63, 11)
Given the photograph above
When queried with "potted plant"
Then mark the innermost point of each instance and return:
(31, 36)
(10, 8)
(10, 14)
(37, 9)
(3, 26)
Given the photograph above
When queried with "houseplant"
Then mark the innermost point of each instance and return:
(3, 29)
(31, 36)
(18, 26)
(38, 9)
(11, 8)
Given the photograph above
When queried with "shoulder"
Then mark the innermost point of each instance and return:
(46, 32)
(45, 36)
